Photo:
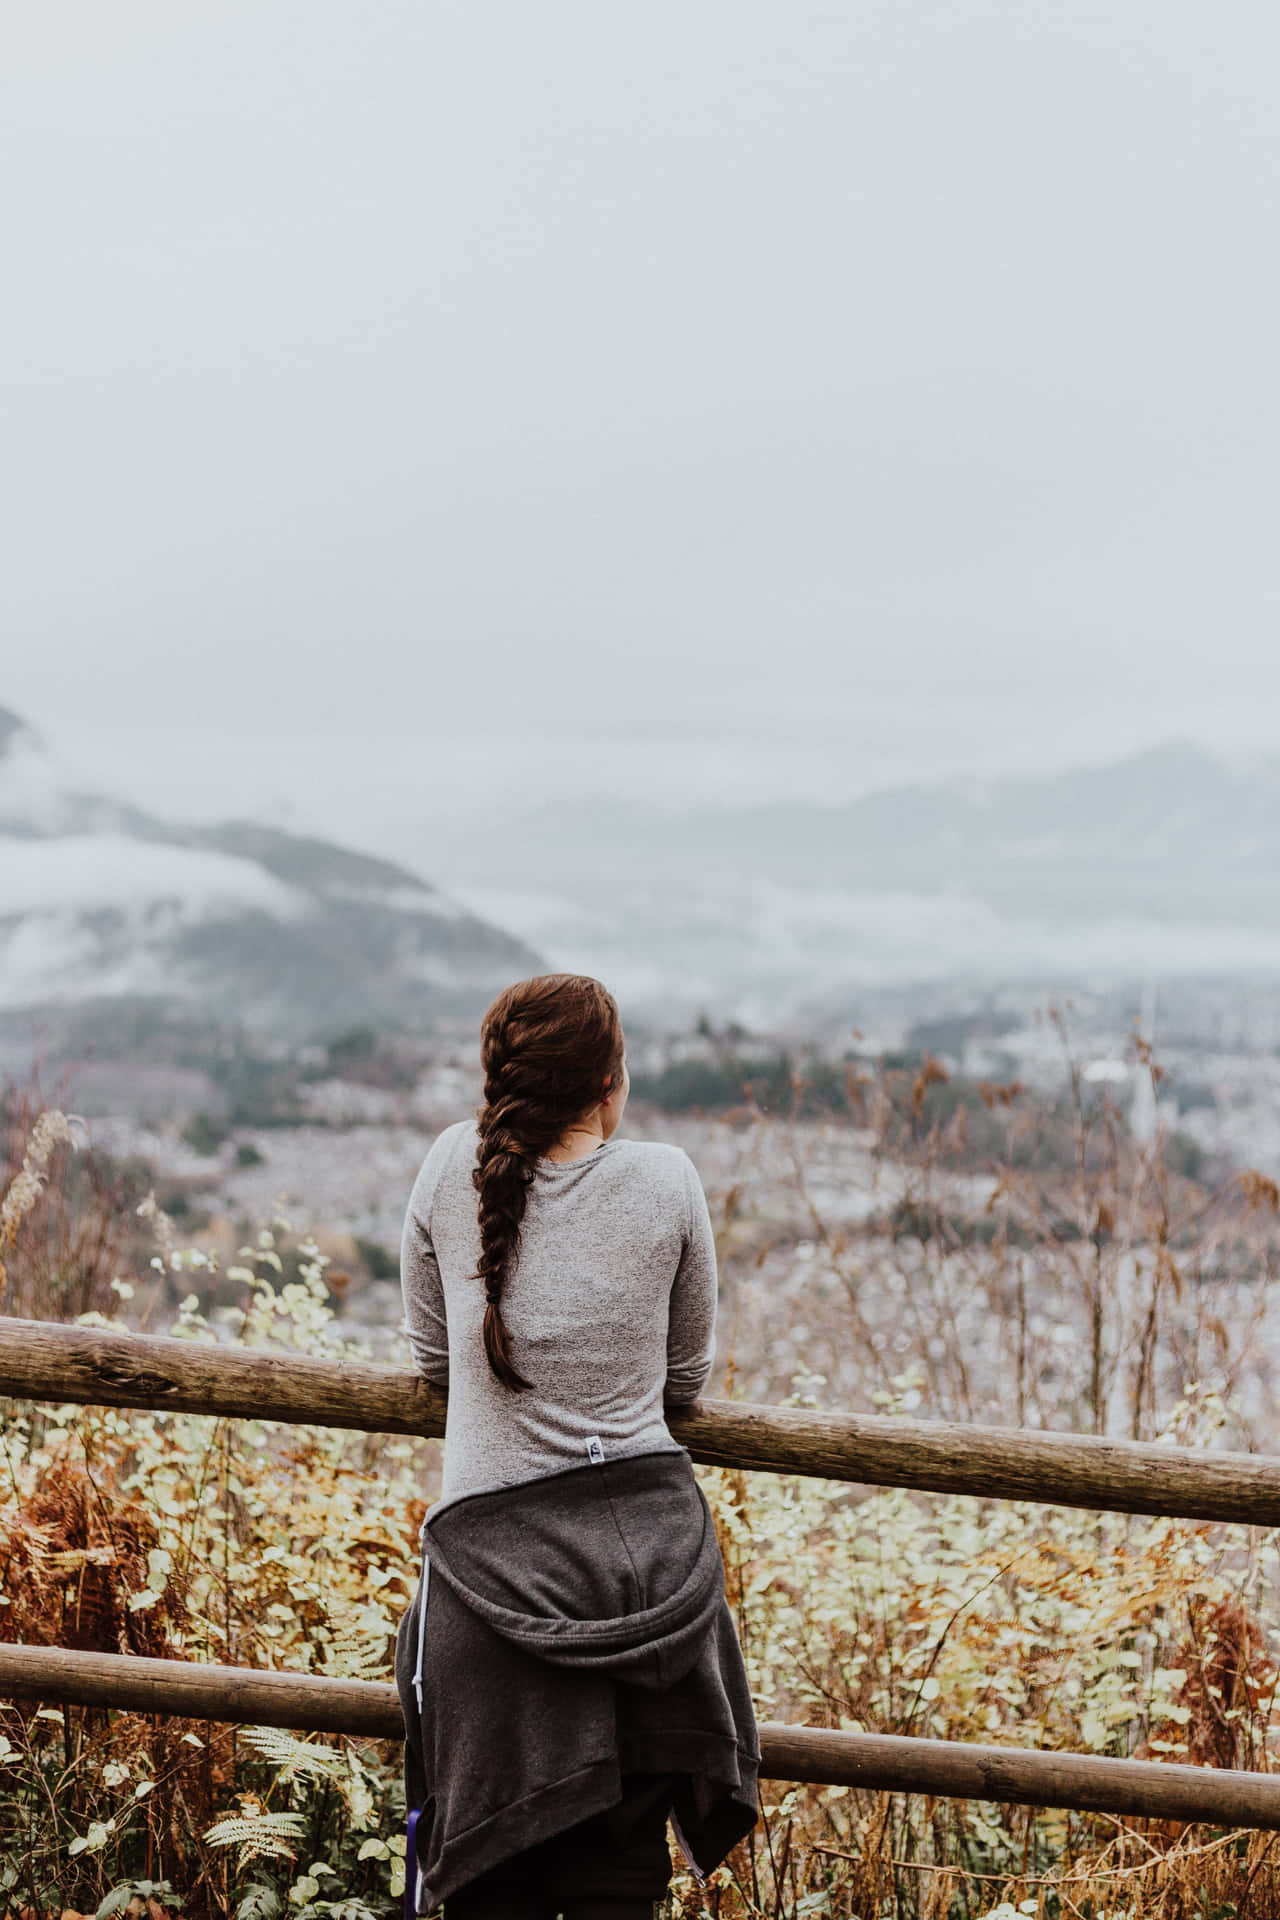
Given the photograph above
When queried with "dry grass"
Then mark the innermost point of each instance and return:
(889, 1263)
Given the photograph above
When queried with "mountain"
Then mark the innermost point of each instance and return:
(1164, 863)
(281, 934)
(1172, 832)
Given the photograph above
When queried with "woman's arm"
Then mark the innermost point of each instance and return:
(420, 1283)
(691, 1325)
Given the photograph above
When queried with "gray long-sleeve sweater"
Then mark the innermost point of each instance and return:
(611, 1308)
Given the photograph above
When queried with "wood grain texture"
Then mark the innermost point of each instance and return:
(871, 1761)
(955, 1769)
(100, 1366)
(190, 1690)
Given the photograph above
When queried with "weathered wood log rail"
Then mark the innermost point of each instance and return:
(875, 1761)
(100, 1366)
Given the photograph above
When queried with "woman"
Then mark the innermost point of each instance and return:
(568, 1669)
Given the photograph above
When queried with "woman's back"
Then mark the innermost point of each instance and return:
(610, 1307)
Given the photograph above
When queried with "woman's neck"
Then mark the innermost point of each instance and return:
(575, 1143)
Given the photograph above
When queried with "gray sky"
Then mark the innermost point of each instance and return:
(795, 394)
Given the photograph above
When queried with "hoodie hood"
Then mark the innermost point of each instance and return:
(612, 1567)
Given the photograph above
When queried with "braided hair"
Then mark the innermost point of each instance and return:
(548, 1047)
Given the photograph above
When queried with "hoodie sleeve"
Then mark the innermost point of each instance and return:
(424, 1312)
(691, 1324)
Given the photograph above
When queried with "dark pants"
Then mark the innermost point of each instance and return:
(615, 1866)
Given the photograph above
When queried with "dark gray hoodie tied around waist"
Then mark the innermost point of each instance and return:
(576, 1629)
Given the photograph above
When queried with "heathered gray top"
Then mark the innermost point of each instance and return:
(611, 1308)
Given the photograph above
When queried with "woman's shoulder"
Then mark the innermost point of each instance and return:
(450, 1142)
(659, 1160)
(448, 1148)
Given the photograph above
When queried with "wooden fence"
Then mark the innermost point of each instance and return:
(99, 1366)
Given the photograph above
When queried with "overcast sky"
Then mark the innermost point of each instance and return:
(717, 393)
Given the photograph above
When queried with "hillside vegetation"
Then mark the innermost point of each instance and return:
(891, 1256)
(108, 910)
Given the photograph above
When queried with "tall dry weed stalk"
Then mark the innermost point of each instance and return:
(1007, 1260)
(67, 1222)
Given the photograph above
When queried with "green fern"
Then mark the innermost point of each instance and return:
(261, 1836)
(291, 1756)
(353, 1651)
(261, 1902)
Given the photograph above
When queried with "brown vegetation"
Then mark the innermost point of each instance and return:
(880, 1263)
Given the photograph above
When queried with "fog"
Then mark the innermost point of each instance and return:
(429, 402)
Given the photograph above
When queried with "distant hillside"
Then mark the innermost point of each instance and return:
(99, 901)
(1158, 865)
(1173, 832)
(1170, 833)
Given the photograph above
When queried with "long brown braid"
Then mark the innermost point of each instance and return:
(550, 1048)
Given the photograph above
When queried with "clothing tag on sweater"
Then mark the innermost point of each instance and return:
(595, 1452)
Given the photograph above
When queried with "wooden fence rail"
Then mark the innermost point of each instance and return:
(101, 1366)
(98, 1366)
(876, 1762)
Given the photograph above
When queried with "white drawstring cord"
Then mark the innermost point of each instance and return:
(422, 1617)
(412, 1865)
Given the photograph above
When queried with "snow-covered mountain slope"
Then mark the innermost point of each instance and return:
(99, 900)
